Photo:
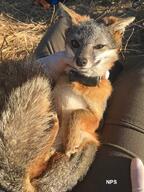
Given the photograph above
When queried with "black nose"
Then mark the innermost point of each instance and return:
(81, 61)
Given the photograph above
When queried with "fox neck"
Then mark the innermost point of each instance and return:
(75, 76)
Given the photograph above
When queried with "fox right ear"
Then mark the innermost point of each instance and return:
(117, 27)
(118, 24)
(75, 17)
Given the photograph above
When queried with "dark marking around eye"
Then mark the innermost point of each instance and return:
(99, 46)
(75, 44)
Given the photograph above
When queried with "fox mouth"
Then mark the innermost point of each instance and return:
(88, 66)
(84, 69)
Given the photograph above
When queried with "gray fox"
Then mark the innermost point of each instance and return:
(47, 137)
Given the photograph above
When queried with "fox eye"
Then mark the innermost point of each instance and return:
(75, 44)
(99, 46)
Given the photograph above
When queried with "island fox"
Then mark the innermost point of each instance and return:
(46, 148)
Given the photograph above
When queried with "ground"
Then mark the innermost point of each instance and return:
(22, 24)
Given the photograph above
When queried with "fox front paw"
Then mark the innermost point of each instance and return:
(70, 152)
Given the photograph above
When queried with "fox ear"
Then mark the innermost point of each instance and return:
(75, 17)
(118, 24)
(117, 27)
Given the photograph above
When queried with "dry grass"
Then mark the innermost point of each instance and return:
(18, 39)
(22, 24)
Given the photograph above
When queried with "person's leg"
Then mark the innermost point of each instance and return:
(124, 122)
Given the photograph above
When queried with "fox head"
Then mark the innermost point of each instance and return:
(94, 46)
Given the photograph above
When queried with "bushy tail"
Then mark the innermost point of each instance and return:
(64, 173)
(26, 118)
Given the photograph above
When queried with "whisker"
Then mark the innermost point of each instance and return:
(127, 50)
(138, 21)
(142, 27)
(129, 39)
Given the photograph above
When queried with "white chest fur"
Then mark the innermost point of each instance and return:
(67, 99)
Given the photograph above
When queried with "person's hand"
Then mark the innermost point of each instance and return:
(55, 64)
(137, 175)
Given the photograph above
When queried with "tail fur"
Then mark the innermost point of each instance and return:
(64, 173)
(25, 121)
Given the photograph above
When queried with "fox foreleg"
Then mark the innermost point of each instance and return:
(81, 131)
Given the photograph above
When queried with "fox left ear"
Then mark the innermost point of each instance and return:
(118, 24)
(117, 27)
(75, 17)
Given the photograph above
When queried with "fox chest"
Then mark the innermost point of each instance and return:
(72, 96)
(67, 99)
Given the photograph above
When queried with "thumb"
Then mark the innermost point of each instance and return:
(137, 175)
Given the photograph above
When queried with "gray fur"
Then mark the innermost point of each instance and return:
(24, 129)
(91, 32)
(65, 173)
(89, 35)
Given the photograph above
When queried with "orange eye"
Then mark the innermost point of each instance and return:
(75, 44)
